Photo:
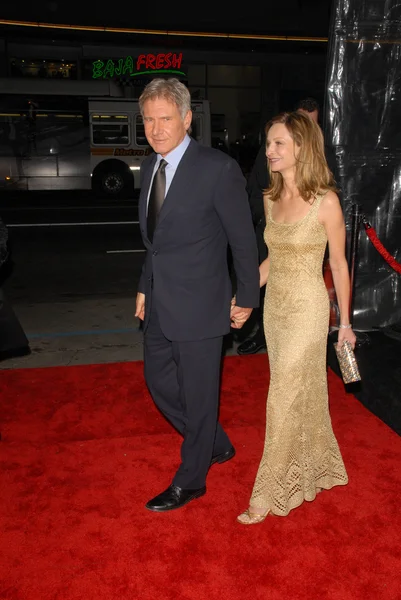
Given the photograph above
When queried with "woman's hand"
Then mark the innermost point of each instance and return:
(264, 271)
(346, 334)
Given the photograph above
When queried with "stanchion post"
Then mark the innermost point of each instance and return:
(353, 254)
(357, 216)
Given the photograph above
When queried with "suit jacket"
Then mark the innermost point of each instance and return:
(185, 272)
(258, 181)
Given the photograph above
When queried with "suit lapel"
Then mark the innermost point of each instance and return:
(182, 180)
(144, 195)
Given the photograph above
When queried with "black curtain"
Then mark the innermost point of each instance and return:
(363, 124)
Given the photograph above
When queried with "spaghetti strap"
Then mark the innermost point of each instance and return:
(317, 202)
(268, 204)
(319, 197)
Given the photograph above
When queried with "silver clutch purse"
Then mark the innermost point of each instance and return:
(347, 361)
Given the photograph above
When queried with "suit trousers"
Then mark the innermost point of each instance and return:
(184, 381)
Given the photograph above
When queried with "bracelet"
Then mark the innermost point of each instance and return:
(345, 326)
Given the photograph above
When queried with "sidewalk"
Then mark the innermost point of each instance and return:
(90, 331)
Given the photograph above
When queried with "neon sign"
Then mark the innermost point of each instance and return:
(146, 64)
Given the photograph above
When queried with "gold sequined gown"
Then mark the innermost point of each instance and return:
(301, 453)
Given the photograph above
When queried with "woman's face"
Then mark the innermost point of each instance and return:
(281, 151)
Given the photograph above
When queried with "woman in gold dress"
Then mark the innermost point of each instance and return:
(301, 456)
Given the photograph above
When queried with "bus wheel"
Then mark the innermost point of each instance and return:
(112, 179)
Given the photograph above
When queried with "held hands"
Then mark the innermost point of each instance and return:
(238, 315)
(346, 334)
(140, 306)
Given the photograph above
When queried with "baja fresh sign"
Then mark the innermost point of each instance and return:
(145, 64)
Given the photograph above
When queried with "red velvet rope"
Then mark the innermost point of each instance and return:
(372, 235)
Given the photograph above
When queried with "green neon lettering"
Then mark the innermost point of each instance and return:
(97, 69)
(119, 69)
(123, 66)
(109, 69)
(128, 65)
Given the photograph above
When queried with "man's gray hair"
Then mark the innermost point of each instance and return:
(171, 90)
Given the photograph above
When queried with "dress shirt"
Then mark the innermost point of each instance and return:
(173, 159)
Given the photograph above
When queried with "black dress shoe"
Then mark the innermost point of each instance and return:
(174, 497)
(224, 457)
(251, 346)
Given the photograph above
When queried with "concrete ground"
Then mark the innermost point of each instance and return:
(73, 278)
(86, 332)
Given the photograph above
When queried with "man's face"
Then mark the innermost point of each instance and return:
(164, 127)
(314, 115)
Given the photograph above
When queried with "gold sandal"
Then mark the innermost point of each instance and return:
(249, 517)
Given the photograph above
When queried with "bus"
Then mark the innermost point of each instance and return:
(75, 142)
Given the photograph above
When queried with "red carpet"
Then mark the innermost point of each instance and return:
(83, 448)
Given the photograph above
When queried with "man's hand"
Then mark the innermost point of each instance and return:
(239, 316)
(140, 306)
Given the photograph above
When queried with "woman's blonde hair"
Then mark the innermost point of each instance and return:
(312, 174)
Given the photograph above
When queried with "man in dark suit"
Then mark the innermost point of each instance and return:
(258, 181)
(192, 205)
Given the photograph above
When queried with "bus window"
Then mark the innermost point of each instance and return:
(110, 130)
(140, 137)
